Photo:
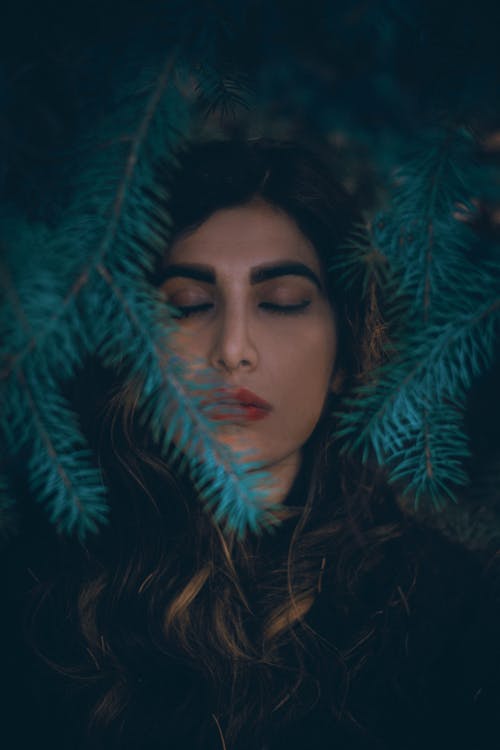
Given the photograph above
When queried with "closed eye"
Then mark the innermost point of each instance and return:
(185, 311)
(285, 309)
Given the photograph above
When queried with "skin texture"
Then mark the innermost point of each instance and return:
(287, 359)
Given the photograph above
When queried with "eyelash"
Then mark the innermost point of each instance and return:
(187, 311)
(285, 309)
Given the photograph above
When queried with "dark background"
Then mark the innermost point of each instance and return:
(363, 77)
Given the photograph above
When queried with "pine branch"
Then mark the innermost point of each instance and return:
(359, 262)
(422, 236)
(78, 231)
(60, 469)
(99, 252)
(223, 91)
(409, 414)
(432, 456)
(437, 365)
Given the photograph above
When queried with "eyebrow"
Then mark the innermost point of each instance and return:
(259, 274)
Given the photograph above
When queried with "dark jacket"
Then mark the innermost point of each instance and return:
(426, 676)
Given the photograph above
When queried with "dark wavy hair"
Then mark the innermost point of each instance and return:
(161, 590)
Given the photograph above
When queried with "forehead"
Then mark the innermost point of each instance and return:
(242, 237)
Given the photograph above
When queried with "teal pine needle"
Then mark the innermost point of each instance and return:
(443, 310)
(85, 293)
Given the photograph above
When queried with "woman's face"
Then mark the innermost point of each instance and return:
(254, 308)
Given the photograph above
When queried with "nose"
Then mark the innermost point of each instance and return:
(232, 345)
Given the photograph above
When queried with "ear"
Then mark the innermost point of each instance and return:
(337, 381)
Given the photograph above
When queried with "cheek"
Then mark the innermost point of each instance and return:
(312, 351)
(191, 347)
(304, 366)
(186, 342)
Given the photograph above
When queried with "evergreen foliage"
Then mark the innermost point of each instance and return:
(404, 124)
(411, 414)
(86, 294)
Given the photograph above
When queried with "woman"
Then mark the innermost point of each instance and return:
(349, 626)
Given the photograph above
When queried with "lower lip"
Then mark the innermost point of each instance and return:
(246, 413)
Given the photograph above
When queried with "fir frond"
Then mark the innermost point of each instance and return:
(359, 266)
(422, 235)
(447, 331)
(222, 91)
(60, 470)
(432, 456)
(437, 365)
(360, 261)
(89, 296)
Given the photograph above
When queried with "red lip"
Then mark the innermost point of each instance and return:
(248, 398)
(240, 403)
